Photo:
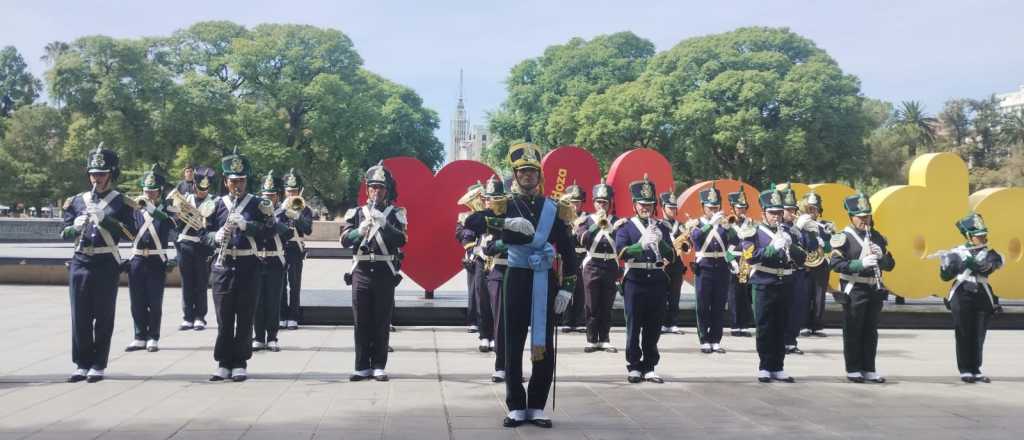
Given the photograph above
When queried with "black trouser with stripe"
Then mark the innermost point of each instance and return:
(799, 300)
(147, 277)
(712, 292)
(472, 316)
(518, 301)
(268, 307)
(495, 289)
(599, 283)
(92, 282)
(860, 328)
(236, 287)
(483, 299)
(645, 311)
(291, 305)
(817, 279)
(972, 311)
(373, 301)
(675, 288)
(576, 314)
(771, 311)
(740, 307)
(194, 265)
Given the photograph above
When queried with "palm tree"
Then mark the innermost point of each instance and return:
(911, 114)
(52, 51)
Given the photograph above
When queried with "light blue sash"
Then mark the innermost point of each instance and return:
(537, 256)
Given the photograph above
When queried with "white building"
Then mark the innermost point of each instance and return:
(1012, 101)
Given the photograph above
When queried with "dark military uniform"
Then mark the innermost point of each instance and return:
(473, 260)
(818, 236)
(194, 259)
(534, 228)
(377, 233)
(711, 271)
(772, 252)
(799, 297)
(675, 270)
(271, 254)
(301, 224)
(236, 270)
(147, 272)
(862, 294)
(971, 298)
(496, 262)
(575, 317)
(600, 271)
(645, 248)
(740, 294)
(96, 221)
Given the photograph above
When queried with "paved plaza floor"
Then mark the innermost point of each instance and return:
(440, 387)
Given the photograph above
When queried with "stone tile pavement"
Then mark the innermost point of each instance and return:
(440, 388)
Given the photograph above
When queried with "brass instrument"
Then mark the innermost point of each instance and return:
(682, 243)
(601, 219)
(732, 219)
(473, 199)
(186, 212)
(499, 205)
(816, 257)
(294, 204)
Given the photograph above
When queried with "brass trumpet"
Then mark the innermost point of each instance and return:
(295, 205)
(473, 199)
(187, 213)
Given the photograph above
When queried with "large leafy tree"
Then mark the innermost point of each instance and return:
(545, 93)
(912, 116)
(759, 104)
(17, 85)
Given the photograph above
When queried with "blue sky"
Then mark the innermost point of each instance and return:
(901, 50)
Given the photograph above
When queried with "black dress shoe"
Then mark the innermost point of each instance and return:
(215, 378)
(982, 379)
(788, 379)
(589, 349)
(720, 350)
(497, 379)
(795, 350)
(542, 423)
(390, 350)
(93, 379)
(967, 379)
(746, 334)
(736, 333)
(634, 379)
(805, 333)
(855, 379)
(75, 378)
(610, 350)
(239, 378)
(764, 379)
(381, 378)
(706, 350)
(357, 377)
(511, 423)
(820, 334)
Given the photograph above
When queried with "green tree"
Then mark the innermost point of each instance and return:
(955, 117)
(17, 85)
(1011, 132)
(52, 51)
(986, 150)
(759, 104)
(545, 93)
(912, 116)
(38, 172)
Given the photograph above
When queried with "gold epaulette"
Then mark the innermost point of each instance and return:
(745, 232)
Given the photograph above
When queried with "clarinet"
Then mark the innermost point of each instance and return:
(878, 272)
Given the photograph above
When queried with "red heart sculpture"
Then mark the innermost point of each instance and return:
(432, 255)
(570, 164)
(633, 165)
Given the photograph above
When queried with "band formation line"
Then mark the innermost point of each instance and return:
(532, 262)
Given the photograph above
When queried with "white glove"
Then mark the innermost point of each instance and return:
(870, 261)
(150, 207)
(520, 225)
(96, 213)
(802, 221)
(364, 227)
(734, 267)
(821, 243)
(291, 213)
(780, 242)
(963, 253)
(80, 221)
(717, 218)
(237, 220)
(875, 249)
(562, 301)
(172, 208)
